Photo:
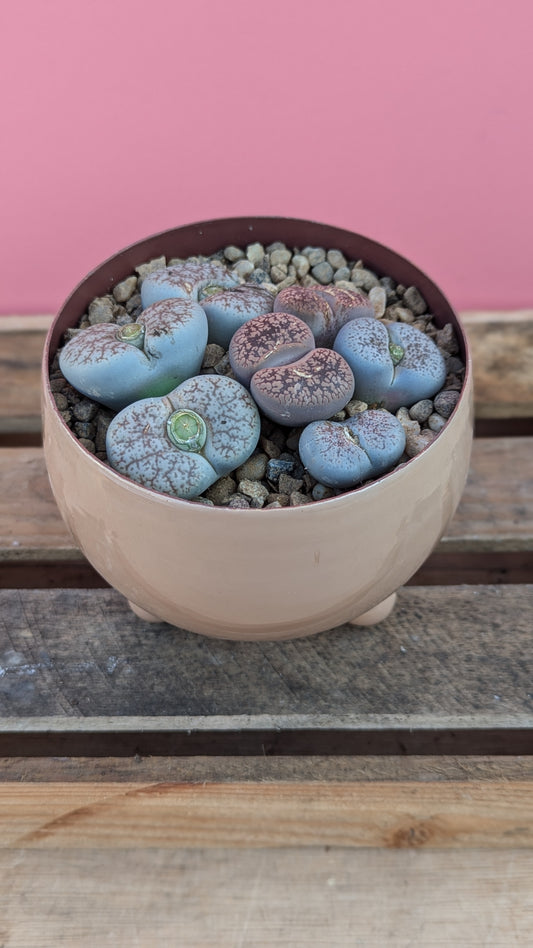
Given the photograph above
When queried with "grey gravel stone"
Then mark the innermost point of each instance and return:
(240, 502)
(416, 442)
(321, 492)
(288, 484)
(258, 276)
(297, 499)
(301, 265)
(388, 285)
(355, 407)
(445, 339)
(232, 254)
(61, 401)
(445, 402)
(288, 281)
(101, 310)
(270, 448)
(278, 273)
(224, 367)
(408, 423)
(85, 429)
(243, 268)
(400, 314)
(88, 444)
(323, 272)
(146, 268)
(256, 254)
(309, 280)
(415, 301)
(222, 490)
(134, 303)
(343, 273)
(256, 492)
(85, 410)
(315, 255)
(436, 422)
(364, 279)
(280, 257)
(276, 245)
(421, 410)
(277, 466)
(378, 298)
(124, 290)
(336, 258)
(281, 499)
(254, 469)
(212, 355)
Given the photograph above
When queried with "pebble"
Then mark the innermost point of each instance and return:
(378, 298)
(445, 402)
(238, 501)
(389, 286)
(101, 310)
(271, 449)
(255, 253)
(273, 505)
(254, 469)
(309, 280)
(145, 268)
(124, 290)
(223, 367)
(279, 273)
(414, 300)
(256, 491)
(323, 272)
(408, 423)
(85, 429)
(276, 467)
(445, 339)
(288, 484)
(436, 422)
(134, 304)
(61, 401)
(416, 442)
(232, 254)
(355, 406)
(280, 257)
(282, 499)
(301, 265)
(243, 268)
(336, 258)
(213, 355)
(421, 410)
(343, 273)
(400, 314)
(222, 490)
(315, 255)
(88, 444)
(321, 492)
(85, 410)
(364, 279)
(297, 499)
(288, 281)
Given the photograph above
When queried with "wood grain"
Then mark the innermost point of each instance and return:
(397, 816)
(502, 355)
(447, 658)
(495, 513)
(287, 898)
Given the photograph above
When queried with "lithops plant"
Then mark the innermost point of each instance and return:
(186, 281)
(228, 310)
(343, 454)
(394, 365)
(325, 309)
(183, 442)
(117, 365)
(292, 382)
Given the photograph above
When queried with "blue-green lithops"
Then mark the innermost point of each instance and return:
(117, 365)
(346, 453)
(394, 365)
(186, 281)
(183, 442)
(228, 310)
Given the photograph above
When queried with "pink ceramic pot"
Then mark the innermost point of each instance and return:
(257, 574)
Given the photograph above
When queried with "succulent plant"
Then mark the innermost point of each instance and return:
(183, 442)
(292, 382)
(342, 454)
(117, 365)
(325, 309)
(186, 281)
(228, 310)
(394, 365)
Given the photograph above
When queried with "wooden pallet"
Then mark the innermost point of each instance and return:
(415, 734)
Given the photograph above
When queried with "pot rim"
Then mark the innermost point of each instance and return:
(126, 257)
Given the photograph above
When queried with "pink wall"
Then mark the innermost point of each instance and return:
(409, 122)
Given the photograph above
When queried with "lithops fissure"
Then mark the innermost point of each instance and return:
(292, 382)
(186, 281)
(182, 443)
(394, 365)
(228, 310)
(344, 454)
(324, 309)
(117, 365)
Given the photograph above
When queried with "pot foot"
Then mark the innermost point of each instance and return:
(377, 614)
(142, 613)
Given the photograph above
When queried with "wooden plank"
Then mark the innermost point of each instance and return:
(495, 514)
(451, 668)
(287, 898)
(502, 348)
(502, 356)
(136, 816)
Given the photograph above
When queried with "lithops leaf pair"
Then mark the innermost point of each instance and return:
(117, 365)
(343, 454)
(183, 442)
(325, 309)
(186, 281)
(292, 382)
(394, 365)
(228, 310)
